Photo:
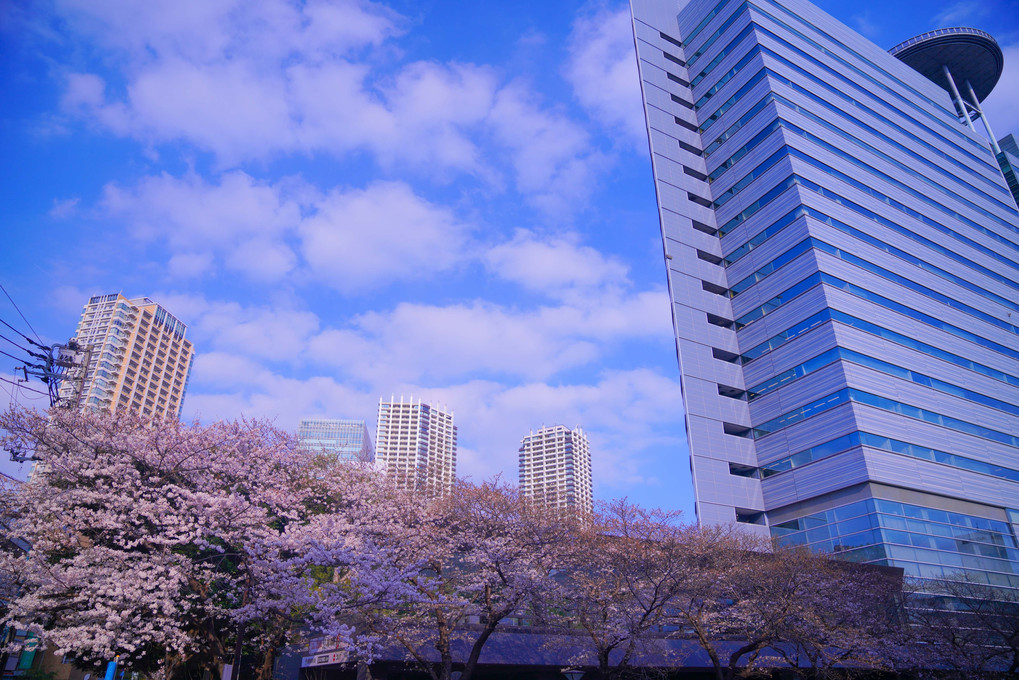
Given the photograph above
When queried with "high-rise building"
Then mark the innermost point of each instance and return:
(1008, 159)
(139, 357)
(555, 468)
(843, 261)
(415, 444)
(345, 439)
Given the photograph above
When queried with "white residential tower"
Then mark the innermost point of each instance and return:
(555, 468)
(416, 444)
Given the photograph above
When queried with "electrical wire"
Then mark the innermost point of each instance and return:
(12, 356)
(22, 387)
(19, 332)
(21, 313)
(23, 349)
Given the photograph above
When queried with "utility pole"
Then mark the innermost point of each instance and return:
(60, 363)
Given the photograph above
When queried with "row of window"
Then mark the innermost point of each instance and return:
(873, 241)
(722, 54)
(761, 49)
(730, 74)
(841, 444)
(706, 45)
(782, 222)
(838, 93)
(813, 243)
(853, 395)
(948, 252)
(704, 22)
(923, 198)
(986, 529)
(761, 136)
(830, 356)
(955, 131)
(946, 125)
(765, 165)
(835, 282)
(925, 178)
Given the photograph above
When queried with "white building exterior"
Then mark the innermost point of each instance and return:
(555, 468)
(415, 443)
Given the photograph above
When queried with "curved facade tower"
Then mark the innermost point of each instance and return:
(843, 262)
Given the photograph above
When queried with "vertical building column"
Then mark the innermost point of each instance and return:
(983, 117)
(957, 98)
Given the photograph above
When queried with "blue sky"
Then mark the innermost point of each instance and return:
(346, 199)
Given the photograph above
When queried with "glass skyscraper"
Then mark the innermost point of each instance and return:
(843, 263)
(346, 439)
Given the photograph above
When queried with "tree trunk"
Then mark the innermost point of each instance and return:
(269, 658)
(472, 660)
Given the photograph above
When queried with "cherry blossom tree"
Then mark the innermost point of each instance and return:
(470, 560)
(143, 534)
(969, 627)
(616, 585)
(841, 616)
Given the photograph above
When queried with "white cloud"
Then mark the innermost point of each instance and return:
(267, 395)
(415, 341)
(189, 209)
(554, 160)
(351, 240)
(865, 24)
(433, 108)
(626, 414)
(233, 108)
(189, 265)
(210, 30)
(603, 72)
(960, 13)
(281, 78)
(554, 266)
(277, 332)
(265, 259)
(62, 209)
(242, 220)
(367, 237)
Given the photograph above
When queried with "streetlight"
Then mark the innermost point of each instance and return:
(572, 673)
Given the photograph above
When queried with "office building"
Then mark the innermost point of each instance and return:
(345, 439)
(139, 358)
(1008, 159)
(555, 468)
(415, 444)
(843, 262)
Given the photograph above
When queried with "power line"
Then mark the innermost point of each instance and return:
(6, 354)
(20, 312)
(23, 349)
(18, 331)
(22, 387)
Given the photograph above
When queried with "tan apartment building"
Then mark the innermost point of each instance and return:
(139, 358)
